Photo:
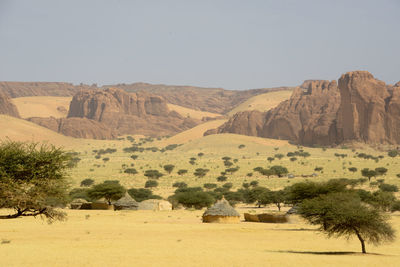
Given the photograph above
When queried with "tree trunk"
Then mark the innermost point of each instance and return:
(362, 241)
(279, 206)
(12, 216)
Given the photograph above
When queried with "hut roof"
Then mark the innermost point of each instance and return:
(126, 201)
(221, 208)
(79, 200)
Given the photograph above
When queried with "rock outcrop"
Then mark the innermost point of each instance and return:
(359, 109)
(129, 113)
(368, 112)
(76, 127)
(7, 107)
(306, 118)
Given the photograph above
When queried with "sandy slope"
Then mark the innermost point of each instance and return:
(263, 102)
(42, 106)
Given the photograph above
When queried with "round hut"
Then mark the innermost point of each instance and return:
(126, 203)
(221, 212)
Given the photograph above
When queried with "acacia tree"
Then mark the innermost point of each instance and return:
(343, 214)
(169, 168)
(33, 179)
(110, 190)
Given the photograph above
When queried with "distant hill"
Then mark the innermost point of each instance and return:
(42, 106)
(215, 100)
(263, 102)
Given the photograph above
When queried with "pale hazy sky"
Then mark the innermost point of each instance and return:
(231, 44)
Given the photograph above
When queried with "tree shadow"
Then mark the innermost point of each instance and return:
(324, 252)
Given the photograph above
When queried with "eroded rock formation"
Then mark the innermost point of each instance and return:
(360, 109)
(306, 118)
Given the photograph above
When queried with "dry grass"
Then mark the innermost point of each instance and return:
(42, 106)
(195, 114)
(178, 238)
(263, 102)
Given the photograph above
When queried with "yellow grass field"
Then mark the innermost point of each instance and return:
(195, 114)
(42, 106)
(263, 102)
(178, 238)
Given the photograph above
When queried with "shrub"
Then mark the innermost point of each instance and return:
(254, 183)
(180, 185)
(153, 174)
(87, 182)
(222, 178)
(393, 153)
(210, 186)
(151, 183)
(200, 172)
(227, 185)
(182, 171)
(131, 171)
(388, 188)
(110, 190)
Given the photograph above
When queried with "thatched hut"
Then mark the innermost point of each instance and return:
(77, 203)
(221, 212)
(155, 205)
(126, 203)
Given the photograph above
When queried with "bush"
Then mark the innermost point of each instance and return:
(169, 168)
(210, 186)
(87, 182)
(227, 185)
(388, 188)
(153, 174)
(151, 183)
(393, 153)
(200, 172)
(131, 171)
(180, 185)
(182, 171)
(222, 178)
(254, 183)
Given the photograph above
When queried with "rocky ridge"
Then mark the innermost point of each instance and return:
(7, 107)
(359, 108)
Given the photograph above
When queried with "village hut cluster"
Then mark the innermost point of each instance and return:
(124, 203)
(220, 212)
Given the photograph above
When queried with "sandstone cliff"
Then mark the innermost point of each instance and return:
(129, 113)
(306, 118)
(7, 107)
(360, 109)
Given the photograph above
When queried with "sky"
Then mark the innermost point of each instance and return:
(232, 44)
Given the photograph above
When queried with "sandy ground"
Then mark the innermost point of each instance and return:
(178, 238)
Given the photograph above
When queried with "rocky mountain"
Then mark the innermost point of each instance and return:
(216, 100)
(369, 110)
(306, 118)
(104, 114)
(21, 89)
(359, 109)
(7, 107)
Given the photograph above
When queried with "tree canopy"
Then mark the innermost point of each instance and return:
(344, 214)
(33, 179)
